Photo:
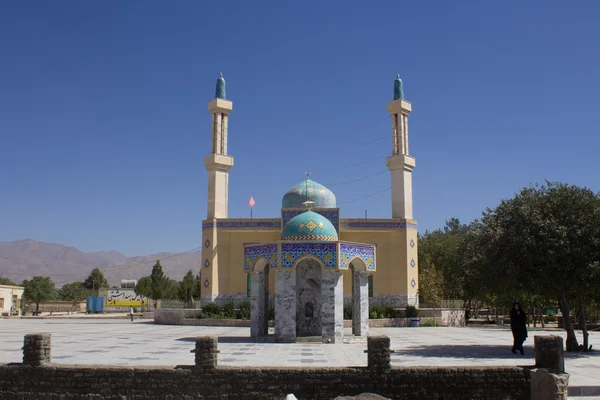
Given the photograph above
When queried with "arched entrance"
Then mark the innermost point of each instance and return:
(308, 298)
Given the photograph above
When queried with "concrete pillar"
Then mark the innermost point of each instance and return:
(285, 305)
(360, 304)
(332, 306)
(37, 348)
(378, 354)
(206, 352)
(549, 352)
(257, 312)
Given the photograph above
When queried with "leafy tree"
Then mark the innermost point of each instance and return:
(38, 290)
(430, 287)
(189, 288)
(545, 242)
(144, 287)
(6, 281)
(73, 292)
(96, 280)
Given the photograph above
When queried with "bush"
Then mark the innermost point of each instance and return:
(135, 309)
(550, 318)
(245, 310)
(429, 323)
(228, 310)
(211, 310)
(411, 312)
(348, 312)
(373, 315)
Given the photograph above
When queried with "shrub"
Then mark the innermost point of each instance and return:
(373, 315)
(348, 312)
(429, 323)
(211, 310)
(135, 309)
(411, 312)
(550, 318)
(245, 310)
(228, 310)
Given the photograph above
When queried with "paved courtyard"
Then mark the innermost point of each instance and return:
(121, 342)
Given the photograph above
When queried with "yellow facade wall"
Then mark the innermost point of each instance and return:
(394, 255)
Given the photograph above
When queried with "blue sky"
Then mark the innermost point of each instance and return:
(104, 121)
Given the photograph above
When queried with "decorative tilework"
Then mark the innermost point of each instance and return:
(268, 251)
(206, 263)
(326, 252)
(207, 243)
(242, 224)
(377, 224)
(206, 283)
(413, 263)
(412, 243)
(308, 190)
(413, 283)
(364, 252)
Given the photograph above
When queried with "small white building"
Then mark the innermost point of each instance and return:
(11, 302)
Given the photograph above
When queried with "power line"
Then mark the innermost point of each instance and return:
(351, 165)
(365, 197)
(357, 180)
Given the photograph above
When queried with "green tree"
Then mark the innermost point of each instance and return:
(545, 242)
(144, 287)
(189, 288)
(74, 292)
(431, 285)
(96, 280)
(6, 281)
(38, 290)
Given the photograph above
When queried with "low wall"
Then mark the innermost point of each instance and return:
(39, 379)
(169, 316)
(56, 306)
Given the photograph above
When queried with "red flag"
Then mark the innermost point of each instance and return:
(251, 203)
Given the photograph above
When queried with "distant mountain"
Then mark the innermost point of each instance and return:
(26, 258)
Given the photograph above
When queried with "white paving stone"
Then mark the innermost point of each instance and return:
(119, 341)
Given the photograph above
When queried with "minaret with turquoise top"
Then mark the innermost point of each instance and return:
(400, 163)
(217, 163)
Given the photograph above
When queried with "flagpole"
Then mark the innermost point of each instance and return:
(250, 212)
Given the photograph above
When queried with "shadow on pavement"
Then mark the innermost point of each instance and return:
(223, 339)
(464, 351)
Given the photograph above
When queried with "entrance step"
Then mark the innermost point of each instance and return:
(309, 339)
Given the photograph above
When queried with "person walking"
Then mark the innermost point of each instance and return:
(131, 313)
(518, 320)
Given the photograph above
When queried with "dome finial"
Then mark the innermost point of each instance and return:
(220, 92)
(398, 89)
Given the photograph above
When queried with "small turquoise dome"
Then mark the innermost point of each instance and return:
(398, 89)
(309, 226)
(308, 190)
(220, 92)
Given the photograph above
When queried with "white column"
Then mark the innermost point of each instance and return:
(218, 128)
(285, 305)
(225, 132)
(332, 306)
(360, 304)
(257, 311)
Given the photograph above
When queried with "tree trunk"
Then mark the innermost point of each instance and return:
(534, 317)
(572, 344)
(37, 307)
(542, 318)
(434, 320)
(583, 327)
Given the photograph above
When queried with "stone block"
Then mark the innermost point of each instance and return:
(549, 352)
(37, 349)
(206, 352)
(378, 353)
(548, 385)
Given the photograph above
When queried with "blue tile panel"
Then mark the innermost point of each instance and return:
(377, 224)
(309, 226)
(364, 252)
(242, 224)
(268, 251)
(326, 252)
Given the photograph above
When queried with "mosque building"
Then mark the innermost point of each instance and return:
(309, 257)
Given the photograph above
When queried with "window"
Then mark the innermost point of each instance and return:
(370, 285)
(248, 285)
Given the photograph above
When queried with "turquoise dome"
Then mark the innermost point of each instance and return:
(308, 190)
(309, 226)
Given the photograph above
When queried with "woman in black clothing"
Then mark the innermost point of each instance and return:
(518, 320)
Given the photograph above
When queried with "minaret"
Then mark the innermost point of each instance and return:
(400, 163)
(218, 163)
